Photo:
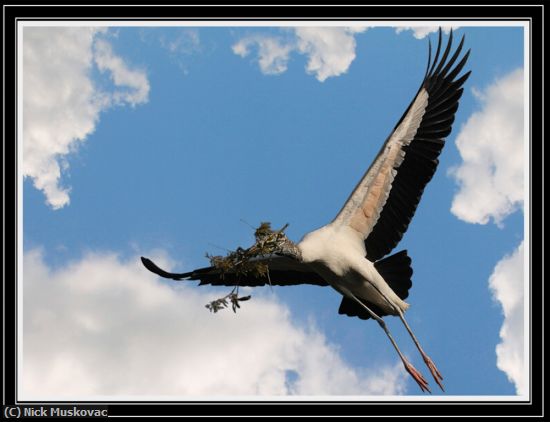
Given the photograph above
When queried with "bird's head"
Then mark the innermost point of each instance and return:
(289, 249)
(275, 241)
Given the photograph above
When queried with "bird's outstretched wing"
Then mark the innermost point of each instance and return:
(385, 200)
(283, 271)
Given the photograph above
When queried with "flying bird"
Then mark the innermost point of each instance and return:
(350, 253)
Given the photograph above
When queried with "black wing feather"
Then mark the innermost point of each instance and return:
(421, 155)
(283, 271)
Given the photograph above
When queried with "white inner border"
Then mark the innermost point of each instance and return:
(274, 23)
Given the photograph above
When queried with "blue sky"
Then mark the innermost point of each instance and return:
(161, 141)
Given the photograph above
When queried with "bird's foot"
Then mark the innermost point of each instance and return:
(435, 372)
(420, 380)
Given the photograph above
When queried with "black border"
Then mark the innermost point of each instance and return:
(11, 14)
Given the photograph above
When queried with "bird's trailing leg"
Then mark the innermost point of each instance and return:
(417, 376)
(429, 363)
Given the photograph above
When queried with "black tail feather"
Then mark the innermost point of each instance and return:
(397, 271)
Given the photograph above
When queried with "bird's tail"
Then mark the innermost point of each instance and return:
(396, 271)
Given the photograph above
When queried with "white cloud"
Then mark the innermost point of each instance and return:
(273, 53)
(491, 188)
(420, 32)
(491, 146)
(506, 284)
(105, 327)
(330, 50)
(134, 80)
(61, 105)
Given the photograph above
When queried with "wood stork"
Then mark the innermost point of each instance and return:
(349, 253)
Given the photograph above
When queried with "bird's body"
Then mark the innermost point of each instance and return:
(351, 253)
(337, 254)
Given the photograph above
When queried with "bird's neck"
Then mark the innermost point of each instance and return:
(289, 249)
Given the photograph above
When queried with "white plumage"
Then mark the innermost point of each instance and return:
(338, 255)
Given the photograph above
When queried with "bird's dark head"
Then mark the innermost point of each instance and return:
(276, 241)
(289, 249)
